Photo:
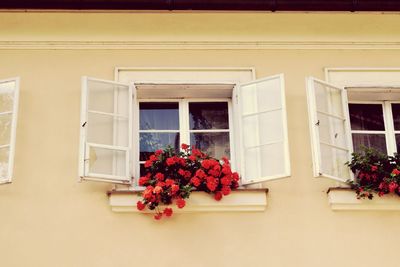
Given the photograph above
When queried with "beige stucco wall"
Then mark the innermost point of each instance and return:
(48, 219)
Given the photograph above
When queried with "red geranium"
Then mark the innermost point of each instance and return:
(170, 176)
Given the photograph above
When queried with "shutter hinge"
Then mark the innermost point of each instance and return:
(317, 124)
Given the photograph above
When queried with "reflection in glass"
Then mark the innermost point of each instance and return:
(4, 158)
(208, 115)
(150, 142)
(159, 116)
(396, 116)
(366, 117)
(214, 144)
(376, 141)
(398, 142)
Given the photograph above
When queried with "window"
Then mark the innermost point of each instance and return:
(9, 95)
(204, 124)
(122, 124)
(344, 120)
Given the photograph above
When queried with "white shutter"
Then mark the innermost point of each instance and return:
(263, 130)
(106, 131)
(9, 96)
(330, 129)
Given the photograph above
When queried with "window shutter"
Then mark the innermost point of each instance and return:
(330, 129)
(263, 130)
(9, 96)
(106, 131)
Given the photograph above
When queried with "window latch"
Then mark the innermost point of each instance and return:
(84, 124)
(317, 124)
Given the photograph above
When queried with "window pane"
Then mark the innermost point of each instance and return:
(159, 116)
(107, 130)
(332, 161)
(260, 129)
(7, 98)
(150, 142)
(376, 141)
(5, 129)
(107, 161)
(214, 144)
(398, 142)
(366, 117)
(4, 157)
(208, 115)
(396, 116)
(264, 161)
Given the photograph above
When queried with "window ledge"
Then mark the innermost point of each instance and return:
(345, 199)
(241, 200)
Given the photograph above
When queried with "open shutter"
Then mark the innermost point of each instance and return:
(9, 95)
(263, 130)
(106, 131)
(330, 129)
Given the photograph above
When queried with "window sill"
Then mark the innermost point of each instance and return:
(345, 199)
(241, 200)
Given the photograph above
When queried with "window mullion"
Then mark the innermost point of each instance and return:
(184, 121)
(389, 126)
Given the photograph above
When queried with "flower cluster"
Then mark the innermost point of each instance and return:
(375, 172)
(171, 176)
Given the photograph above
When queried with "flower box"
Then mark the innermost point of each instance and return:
(240, 200)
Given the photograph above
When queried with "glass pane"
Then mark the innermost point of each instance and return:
(264, 161)
(159, 116)
(261, 96)
(396, 116)
(263, 128)
(328, 99)
(332, 130)
(208, 115)
(142, 170)
(103, 96)
(6, 96)
(366, 117)
(333, 162)
(376, 141)
(4, 158)
(150, 142)
(398, 142)
(5, 129)
(107, 161)
(107, 130)
(214, 144)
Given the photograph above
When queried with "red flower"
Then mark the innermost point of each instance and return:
(158, 152)
(235, 176)
(169, 182)
(196, 153)
(192, 158)
(218, 196)
(140, 205)
(181, 161)
(159, 176)
(225, 160)
(184, 146)
(143, 180)
(148, 164)
(158, 189)
(395, 172)
(153, 158)
(168, 212)
(170, 161)
(181, 172)
(374, 168)
(200, 174)
(226, 190)
(148, 192)
(174, 189)
(180, 203)
(225, 180)
(158, 216)
(195, 181)
(392, 187)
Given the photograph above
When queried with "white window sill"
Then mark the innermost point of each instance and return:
(242, 200)
(346, 199)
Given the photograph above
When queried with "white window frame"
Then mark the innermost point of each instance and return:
(184, 124)
(389, 132)
(353, 77)
(13, 134)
